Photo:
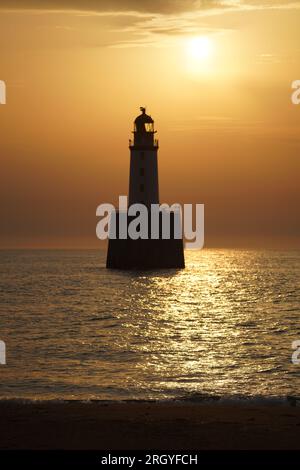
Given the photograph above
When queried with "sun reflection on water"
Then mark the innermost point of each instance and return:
(222, 326)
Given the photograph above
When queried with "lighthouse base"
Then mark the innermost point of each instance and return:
(146, 253)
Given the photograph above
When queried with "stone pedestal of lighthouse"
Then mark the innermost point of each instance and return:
(148, 253)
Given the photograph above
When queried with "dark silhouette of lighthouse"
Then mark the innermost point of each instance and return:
(143, 180)
(150, 253)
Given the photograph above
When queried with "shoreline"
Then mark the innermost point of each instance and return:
(134, 425)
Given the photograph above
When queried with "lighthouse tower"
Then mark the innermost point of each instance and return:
(143, 179)
(145, 253)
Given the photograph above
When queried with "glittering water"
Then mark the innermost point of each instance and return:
(223, 326)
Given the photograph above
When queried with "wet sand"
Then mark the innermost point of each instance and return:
(148, 425)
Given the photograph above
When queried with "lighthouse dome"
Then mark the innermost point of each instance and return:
(144, 122)
(144, 118)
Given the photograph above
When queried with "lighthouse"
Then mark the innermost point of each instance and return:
(160, 251)
(143, 178)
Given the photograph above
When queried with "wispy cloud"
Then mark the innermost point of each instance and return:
(146, 6)
(152, 6)
(150, 22)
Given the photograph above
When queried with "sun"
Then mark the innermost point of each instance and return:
(199, 52)
(199, 48)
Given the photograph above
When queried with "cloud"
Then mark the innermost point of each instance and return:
(147, 22)
(145, 29)
(160, 30)
(143, 6)
(150, 6)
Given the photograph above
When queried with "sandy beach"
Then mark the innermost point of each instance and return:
(148, 425)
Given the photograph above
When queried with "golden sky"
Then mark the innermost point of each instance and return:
(216, 77)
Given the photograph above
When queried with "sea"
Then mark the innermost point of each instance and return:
(223, 327)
